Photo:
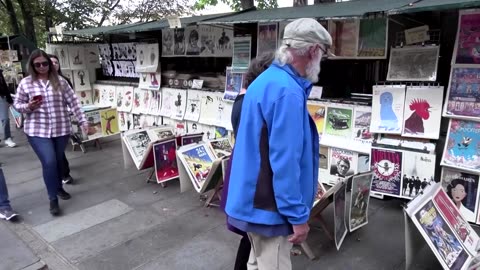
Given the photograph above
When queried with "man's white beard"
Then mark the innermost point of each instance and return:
(313, 69)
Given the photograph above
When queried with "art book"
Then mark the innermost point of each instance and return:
(387, 109)
(462, 188)
(344, 37)
(423, 112)
(81, 80)
(192, 40)
(416, 63)
(192, 111)
(372, 42)
(339, 206)
(267, 37)
(109, 122)
(418, 172)
(463, 100)
(145, 102)
(468, 38)
(150, 81)
(463, 139)
(221, 147)
(387, 171)
(147, 57)
(343, 164)
(360, 197)
(233, 84)
(317, 112)
(165, 155)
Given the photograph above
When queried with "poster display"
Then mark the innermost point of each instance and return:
(267, 37)
(463, 100)
(461, 152)
(387, 171)
(467, 43)
(416, 63)
(387, 109)
(372, 41)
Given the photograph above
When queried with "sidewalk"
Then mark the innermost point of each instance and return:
(115, 220)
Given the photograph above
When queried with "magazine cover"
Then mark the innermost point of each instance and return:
(387, 109)
(462, 98)
(440, 237)
(343, 164)
(317, 112)
(109, 122)
(192, 111)
(463, 139)
(416, 63)
(339, 215)
(423, 112)
(221, 147)
(468, 42)
(418, 172)
(360, 197)
(345, 37)
(456, 221)
(267, 37)
(198, 161)
(339, 122)
(361, 126)
(372, 42)
(387, 171)
(165, 160)
(462, 188)
(233, 84)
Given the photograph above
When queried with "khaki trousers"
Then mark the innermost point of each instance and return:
(269, 253)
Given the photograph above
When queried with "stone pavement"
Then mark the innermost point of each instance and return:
(115, 220)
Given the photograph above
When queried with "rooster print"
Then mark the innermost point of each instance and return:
(421, 112)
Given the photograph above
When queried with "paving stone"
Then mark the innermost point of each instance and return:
(14, 254)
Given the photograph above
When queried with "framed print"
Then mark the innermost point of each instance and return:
(416, 63)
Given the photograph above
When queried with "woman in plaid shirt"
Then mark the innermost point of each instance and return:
(43, 97)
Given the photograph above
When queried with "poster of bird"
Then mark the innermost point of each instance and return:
(461, 148)
(387, 109)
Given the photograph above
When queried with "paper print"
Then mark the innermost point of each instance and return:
(125, 69)
(339, 122)
(94, 125)
(360, 197)
(151, 81)
(267, 37)
(107, 68)
(180, 103)
(463, 98)
(461, 148)
(210, 107)
(123, 124)
(387, 171)
(418, 172)
(62, 53)
(138, 142)
(319, 194)
(109, 122)
(233, 84)
(124, 51)
(105, 51)
(145, 102)
(81, 80)
(361, 125)
(77, 57)
(138, 96)
(363, 164)
(192, 40)
(85, 97)
(467, 46)
(241, 53)
(167, 42)
(221, 147)
(179, 41)
(108, 95)
(317, 112)
(155, 102)
(147, 57)
(160, 133)
(339, 215)
(423, 112)
(372, 42)
(189, 139)
(168, 102)
(192, 111)
(224, 37)
(462, 188)
(198, 160)
(344, 37)
(413, 64)
(342, 163)
(127, 98)
(387, 109)
(96, 94)
(166, 167)
(93, 55)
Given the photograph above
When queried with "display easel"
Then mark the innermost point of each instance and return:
(150, 176)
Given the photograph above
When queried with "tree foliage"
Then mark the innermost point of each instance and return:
(237, 5)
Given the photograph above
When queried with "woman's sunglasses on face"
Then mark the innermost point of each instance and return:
(42, 64)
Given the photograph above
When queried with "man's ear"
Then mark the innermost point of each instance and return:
(312, 52)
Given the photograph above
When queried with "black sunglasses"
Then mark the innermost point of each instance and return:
(42, 64)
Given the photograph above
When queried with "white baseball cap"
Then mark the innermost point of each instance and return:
(307, 30)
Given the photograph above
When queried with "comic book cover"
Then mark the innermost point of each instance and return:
(343, 163)
(418, 172)
(317, 112)
(463, 140)
(462, 188)
(165, 160)
(387, 171)
(339, 215)
(387, 109)
(468, 43)
(360, 197)
(198, 161)
(462, 98)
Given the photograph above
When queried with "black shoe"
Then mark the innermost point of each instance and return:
(54, 208)
(67, 180)
(62, 194)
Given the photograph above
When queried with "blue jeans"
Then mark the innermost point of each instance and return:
(4, 202)
(4, 119)
(50, 151)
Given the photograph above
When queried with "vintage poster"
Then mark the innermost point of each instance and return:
(372, 42)
(167, 42)
(192, 40)
(418, 172)
(224, 41)
(361, 126)
(168, 102)
(180, 104)
(344, 37)
(241, 53)
(416, 63)
(387, 109)
(343, 163)
(423, 112)
(165, 157)
(137, 143)
(108, 95)
(81, 80)
(339, 122)
(109, 122)
(440, 237)
(461, 147)
(123, 121)
(267, 37)
(155, 102)
(462, 188)
(150, 81)
(192, 111)
(138, 97)
(210, 107)
(317, 112)
(363, 163)
(462, 98)
(339, 215)
(360, 197)
(94, 125)
(85, 97)
(76, 57)
(209, 40)
(233, 84)
(468, 43)
(147, 57)
(179, 41)
(198, 160)
(127, 98)
(221, 147)
(387, 171)
(456, 221)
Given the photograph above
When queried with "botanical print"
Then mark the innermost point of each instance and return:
(361, 125)
(192, 40)
(108, 95)
(85, 97)
(81, 80)
(109, 122)
(76, 57)
(413, 64)
(387, 109)
(344, 37)
(339, 122)
(179, 104)
(151, 81)
(198, 160)
(94, 125)
(423, 112)
(372, 42)
(241, 53)
(127, 97)
(387, 171)
(467, 47)
(96, 94)
(192, 111)
(461, 148)
(155, 102)
(233, 84)
(138, 97)
(166, 167)
(267, 37)
(168, 102)
(147, 57)
(360, 196)
(145, 102)
(317, 112)
(123, 121)
(339, 215)
(119, 98)
(179, 41)
(462, 98)
(418, 172)
(167, 42)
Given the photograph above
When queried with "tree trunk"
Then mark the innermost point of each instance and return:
(299, 3)
(48, 8)
(246, 4)
(25, 7)
(12, 17)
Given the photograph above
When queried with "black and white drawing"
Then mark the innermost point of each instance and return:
(192, 112)
(179, 44)
(167, 42)
(413, 63)
(81, 80)
(147, 57)
(77, 57)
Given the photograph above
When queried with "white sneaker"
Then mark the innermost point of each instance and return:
(10, 143)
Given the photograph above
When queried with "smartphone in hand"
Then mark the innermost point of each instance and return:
(38, 98)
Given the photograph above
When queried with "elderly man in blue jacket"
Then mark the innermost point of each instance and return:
(275, 163)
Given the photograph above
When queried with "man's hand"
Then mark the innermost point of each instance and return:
(300, 233)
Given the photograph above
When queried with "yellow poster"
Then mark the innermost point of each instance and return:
(317, 112)
(109, 121)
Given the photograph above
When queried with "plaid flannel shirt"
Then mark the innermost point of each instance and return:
(52, 118)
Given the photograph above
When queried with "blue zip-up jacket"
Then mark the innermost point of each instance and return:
(274, 171)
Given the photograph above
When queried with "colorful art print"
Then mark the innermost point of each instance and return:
(317, 112)
(387, 171)
(363, 163)
(416, 63)
(221, 147)
(192, 36)
(76, 57)
(461, 148)
(151, 81)
(192, 111)
(467, 46)
(81, 80)
(85, 97)
(138, 96)
(360, 196)
(361, 125)
(342, 163)
(339, 122)
(462, 188)
(167, 42)
(179, 41)
(147, 57)
(94, 125)
(372, 42)
(339, 215)
(155, 102)
(108, 95)
(423, 112)
(241, 53)
(267, 37)
(198, 160)
(440, 237)
(109, 122)
(123, 121)
(456, 221)
(344, 38)
(323, 159)
(463, 98)
(179, 104)
(387, 109)
(418, 172)
(233, 84)
(165, 156)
